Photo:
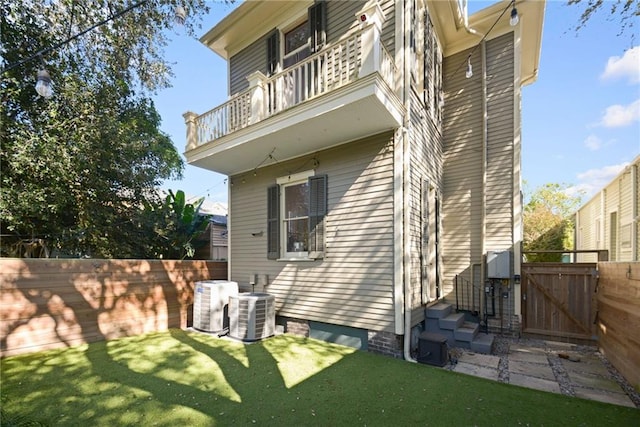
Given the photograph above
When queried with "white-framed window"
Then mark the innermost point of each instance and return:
(296, 207)
(299, 38)
(296, 43)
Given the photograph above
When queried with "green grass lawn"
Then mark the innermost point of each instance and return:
(181, 378)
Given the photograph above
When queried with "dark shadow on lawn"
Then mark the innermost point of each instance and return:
(244, 380)
(125, 383)
(255, 384)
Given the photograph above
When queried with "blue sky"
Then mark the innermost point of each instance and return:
(580, 119)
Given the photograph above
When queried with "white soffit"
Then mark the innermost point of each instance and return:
(250, 21)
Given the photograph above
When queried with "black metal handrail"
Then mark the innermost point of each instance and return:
(468, 296)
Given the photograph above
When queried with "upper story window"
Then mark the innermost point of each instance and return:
(426, 54)
(432, 66)
(296, 38)
(296, 44)
(296, 207)
(306, 36)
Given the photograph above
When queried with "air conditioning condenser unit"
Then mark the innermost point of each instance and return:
(211, 304)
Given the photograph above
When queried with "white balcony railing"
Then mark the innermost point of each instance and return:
(354, 56)
(229, 117)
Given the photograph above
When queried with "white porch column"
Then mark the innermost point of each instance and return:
(192, 130)
(371, 19)
(256, 86)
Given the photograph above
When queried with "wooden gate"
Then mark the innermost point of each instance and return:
(559, 300)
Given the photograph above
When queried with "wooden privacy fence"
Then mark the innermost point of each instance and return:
(51, 303)
(618, 319)
(559, 300)
(576, 301)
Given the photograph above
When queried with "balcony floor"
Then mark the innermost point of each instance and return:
(363, 108)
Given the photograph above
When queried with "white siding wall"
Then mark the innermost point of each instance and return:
(352, 285)
(426, 170)
(500, 144)
(588, 220)
(620, 199)
(625, 217)
(463, 160)
(612, 224)
(462, 174)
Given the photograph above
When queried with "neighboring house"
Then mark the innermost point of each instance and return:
(365, 170)
(213, 243)
(609, 221)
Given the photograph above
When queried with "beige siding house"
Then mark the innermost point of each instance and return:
(365, 170)
(609, 221)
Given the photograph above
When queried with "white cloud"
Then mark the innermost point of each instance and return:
(594, 180)
(593, 143)
(621, 115)
(626, 67)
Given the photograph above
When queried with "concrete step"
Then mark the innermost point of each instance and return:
(452, 321)
(467, 332)
(483, 343)
(432, 325)
(461, 344)
(438, 311)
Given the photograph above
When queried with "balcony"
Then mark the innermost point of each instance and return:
(344, 92)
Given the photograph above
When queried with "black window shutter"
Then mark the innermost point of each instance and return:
(273, 52)
(273, 222)
(317, 212)
(318, 25)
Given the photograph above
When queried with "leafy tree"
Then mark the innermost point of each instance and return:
(627, 11)
(78, 168)
(183, 224)
(548, 221)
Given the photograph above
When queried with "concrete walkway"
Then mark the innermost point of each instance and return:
(548, 366)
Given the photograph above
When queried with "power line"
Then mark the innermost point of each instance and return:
(511, 3)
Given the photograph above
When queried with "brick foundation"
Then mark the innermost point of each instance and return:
(296, 326)
(386, 343)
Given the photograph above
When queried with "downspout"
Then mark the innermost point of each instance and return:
(229, 223)
(468, 28)
(485, 132)
(406, 185)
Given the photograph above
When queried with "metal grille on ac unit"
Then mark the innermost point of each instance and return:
(210, 305)
(252, 316)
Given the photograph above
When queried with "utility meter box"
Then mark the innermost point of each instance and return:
(498, 264)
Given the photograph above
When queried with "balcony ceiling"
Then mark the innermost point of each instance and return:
(363, 108)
